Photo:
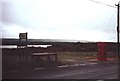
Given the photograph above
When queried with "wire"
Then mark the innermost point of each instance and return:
(103, 3)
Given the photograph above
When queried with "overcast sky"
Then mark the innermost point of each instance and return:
(60, 19)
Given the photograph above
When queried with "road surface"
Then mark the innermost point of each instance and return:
(91, 70)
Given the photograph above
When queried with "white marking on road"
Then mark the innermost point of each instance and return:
(82, 64)
(99, 80)
(76, 64)
(38, 68)
(93, 63)
(63, 66)
(71, 65)
(70, 60)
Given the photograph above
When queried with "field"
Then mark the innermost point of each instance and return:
(77, 55)
(81, 56)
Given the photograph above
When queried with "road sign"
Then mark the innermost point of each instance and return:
(23, 36)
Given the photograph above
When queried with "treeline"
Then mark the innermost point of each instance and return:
(82, 47)
(69, 47)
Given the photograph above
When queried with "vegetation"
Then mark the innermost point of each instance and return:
(77, 55)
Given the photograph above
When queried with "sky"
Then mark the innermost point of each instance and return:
(91, 20)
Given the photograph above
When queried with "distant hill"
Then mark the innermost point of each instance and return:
(9, 41)
(12, 41)
(43, 40)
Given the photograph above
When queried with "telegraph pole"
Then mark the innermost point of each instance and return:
(118, 29)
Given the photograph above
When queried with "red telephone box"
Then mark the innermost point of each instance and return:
(101, 51)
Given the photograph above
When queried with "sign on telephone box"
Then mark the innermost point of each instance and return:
(101, 55)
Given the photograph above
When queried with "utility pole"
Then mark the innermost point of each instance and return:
(118, 29)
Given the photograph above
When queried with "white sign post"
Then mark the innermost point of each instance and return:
(23, 36)
(22, 39)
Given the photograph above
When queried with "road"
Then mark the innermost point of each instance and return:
(92, 70)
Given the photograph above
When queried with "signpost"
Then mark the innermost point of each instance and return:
(22, 38)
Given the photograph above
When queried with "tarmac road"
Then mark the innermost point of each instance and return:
(91, 70)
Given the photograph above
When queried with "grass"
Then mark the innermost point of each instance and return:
(82, 56)
(77, 55)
